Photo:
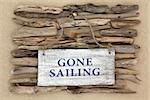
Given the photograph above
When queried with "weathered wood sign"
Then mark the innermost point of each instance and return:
(73, 67)
(73, 43)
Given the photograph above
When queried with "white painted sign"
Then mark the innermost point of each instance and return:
(72, 67)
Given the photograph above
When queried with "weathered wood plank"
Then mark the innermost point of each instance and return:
(125, 56)
(124, 23)
(131, 78)
(103, 90)
(24, 53)
(23, 80)
(125, 49)
(34, 11)
(29, 32)
(38, 9)
(126, 63)
(118, 9)
(68, 22)
(92, 8)
(122, 71)
(26, 61)
(106, 40)
(34, 22)
(24, 70)
(107, 16)
(41, 41)
(119, 32)
(35, 89)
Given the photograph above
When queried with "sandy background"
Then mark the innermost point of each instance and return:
(7, 27)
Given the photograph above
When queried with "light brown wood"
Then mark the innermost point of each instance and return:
(35, 89)
(32, 32)
(92, 8)
(105, 40)
(119, 32)
(125, 56)
(26, 61)
(126, 63)
(23, 70)
(68, 22)
(124, 23)
(118, 9)
(34, 22)
(107, 16)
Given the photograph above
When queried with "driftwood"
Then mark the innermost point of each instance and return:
(127, 63)
(52, 31)
(107, 16)
(34, 22)
(122, 71)
(24, 70)
(33, 11)
(124, 23)
(120, 80)
(132, 78)
(44, 41)
(87, 8)
(104, 90)
(119, 32)
(24, 53)
(125, 56)
(68, 22)
(126, 49)
(118, 9)
(26, 61)
(29, 32)
(35, 89)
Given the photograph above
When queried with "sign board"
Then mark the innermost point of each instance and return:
(73, 67)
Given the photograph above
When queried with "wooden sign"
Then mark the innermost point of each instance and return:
(76, 67)
(71, 48)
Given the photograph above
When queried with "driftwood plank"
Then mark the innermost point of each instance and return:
(132, 78)
(24, 53)
(68, 22)
(52, 31)
(125, 49)
(106, 40)
(24, 70)
(103, 90)
(38, 9)
(41, 41)
(34, 22)
(124, 23)
(35, 89)
(107, 16)
(52, 41)
(34, 11)
(26, 61)
(119, 32)
(92, 8)
(29, 32)
(118, 9)
(122, 71)
(127, 63)
(125, 56)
